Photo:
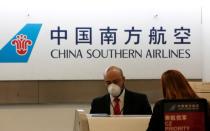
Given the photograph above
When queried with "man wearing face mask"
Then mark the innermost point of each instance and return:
(119, 100)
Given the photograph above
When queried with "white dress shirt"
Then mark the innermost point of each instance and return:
(121, 102)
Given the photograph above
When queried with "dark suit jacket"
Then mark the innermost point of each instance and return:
(134, 104)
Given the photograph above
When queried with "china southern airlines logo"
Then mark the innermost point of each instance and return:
(21, 44)
(19, 48)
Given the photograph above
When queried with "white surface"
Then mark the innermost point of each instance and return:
(206, 41)
(61, 118)
(69, 14)
(119, 123)
(80, 121)
(38, 117)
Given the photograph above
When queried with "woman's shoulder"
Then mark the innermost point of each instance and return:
(158, 104)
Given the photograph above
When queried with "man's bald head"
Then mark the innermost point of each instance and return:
(113, 68)
(114, 74)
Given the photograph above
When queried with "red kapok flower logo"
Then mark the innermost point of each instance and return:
(21, 42)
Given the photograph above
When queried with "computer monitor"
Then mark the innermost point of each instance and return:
(80, 121)
(185, 115)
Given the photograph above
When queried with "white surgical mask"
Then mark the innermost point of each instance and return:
(114, 90)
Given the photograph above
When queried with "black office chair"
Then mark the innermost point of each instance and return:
(185, 115)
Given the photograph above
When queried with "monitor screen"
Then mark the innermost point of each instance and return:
(80, 121)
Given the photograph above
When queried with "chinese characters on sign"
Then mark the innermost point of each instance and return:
(181, 117)
(58, 34)
(110, 36)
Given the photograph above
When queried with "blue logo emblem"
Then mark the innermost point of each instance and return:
(19, 48)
